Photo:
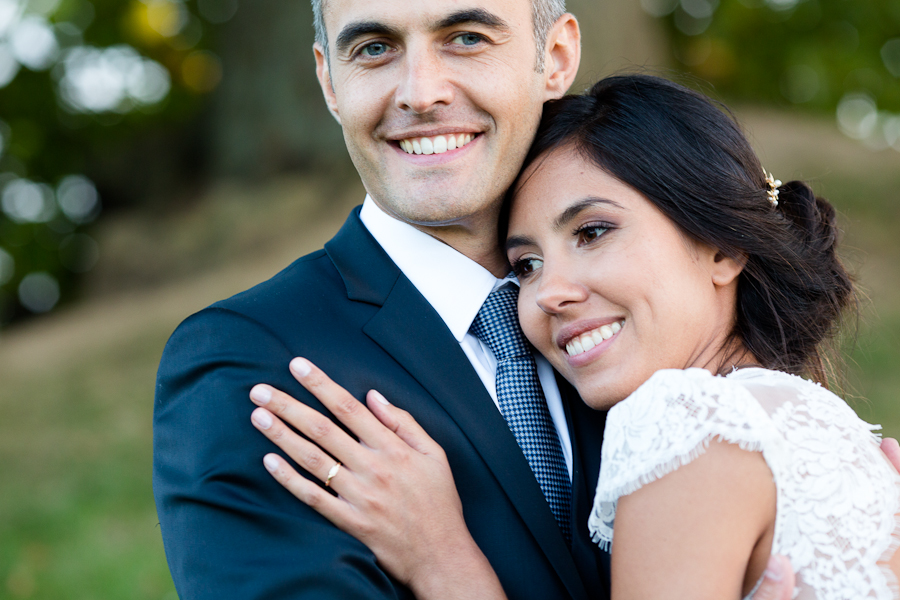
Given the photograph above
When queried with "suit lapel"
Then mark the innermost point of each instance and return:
(409, 329)
(586, 431)
(412, 332)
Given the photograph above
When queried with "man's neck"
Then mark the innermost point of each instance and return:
(480, 246)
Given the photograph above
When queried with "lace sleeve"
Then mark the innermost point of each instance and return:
(666, 423)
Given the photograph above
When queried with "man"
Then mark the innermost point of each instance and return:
(438, 101)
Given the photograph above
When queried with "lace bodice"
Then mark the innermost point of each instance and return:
(837, 495)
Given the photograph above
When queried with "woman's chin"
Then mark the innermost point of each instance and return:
(603, 397)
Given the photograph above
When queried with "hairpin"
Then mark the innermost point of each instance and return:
(772, 191)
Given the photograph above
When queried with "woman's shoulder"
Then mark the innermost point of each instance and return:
(675, 391)
(670, 420)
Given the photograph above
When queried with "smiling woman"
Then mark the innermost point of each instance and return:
(686, 291)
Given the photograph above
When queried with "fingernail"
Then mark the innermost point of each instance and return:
(300, 367)
(261, 394)
(262, 418)
(773, 569)
(270, 462)
(377, 395)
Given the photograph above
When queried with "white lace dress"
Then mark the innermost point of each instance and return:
(837, 495)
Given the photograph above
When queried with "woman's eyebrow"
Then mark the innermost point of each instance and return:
(575, 209)
(517, 241)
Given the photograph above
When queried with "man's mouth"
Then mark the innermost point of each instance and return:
(436, 144)
(587, 340)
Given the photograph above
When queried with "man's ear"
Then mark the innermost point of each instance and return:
(725, 270)
(562, 55)
(324, 74)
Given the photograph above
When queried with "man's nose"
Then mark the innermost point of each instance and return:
(558, 290)
(425, 82)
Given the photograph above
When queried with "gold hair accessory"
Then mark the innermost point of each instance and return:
(772, 191)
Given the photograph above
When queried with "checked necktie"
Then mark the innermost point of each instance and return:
(522, 402)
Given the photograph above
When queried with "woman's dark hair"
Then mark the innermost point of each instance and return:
(690, 159)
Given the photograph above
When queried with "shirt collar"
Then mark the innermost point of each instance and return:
(452, 283)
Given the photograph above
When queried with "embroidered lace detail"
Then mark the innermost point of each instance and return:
(837, 497)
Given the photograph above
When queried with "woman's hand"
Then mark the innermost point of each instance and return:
(395, 491)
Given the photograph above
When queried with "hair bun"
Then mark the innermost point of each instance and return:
(812, 217)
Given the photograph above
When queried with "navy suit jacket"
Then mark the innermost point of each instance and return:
(231, 531)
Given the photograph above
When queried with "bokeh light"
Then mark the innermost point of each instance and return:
(33, 43)
(111, 79)
(166, 17)
(39, 292)
(201, 71)
(25, 201)
(857, 115)
(78, 198)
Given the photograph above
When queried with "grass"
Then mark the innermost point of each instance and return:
(76, 513)
(77, 519)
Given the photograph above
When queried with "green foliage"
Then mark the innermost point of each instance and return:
(111, 73)
(811, 53)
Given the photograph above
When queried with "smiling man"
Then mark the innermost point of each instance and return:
(438, 101)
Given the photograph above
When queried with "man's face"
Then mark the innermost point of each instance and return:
(438, 100)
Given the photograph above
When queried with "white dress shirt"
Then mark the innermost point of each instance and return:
(456, 287)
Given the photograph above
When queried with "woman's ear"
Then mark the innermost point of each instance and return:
(724, 269)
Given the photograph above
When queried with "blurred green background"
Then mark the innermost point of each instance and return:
(158, 155)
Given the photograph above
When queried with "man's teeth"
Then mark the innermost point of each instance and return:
(437, 144)
(589, 339)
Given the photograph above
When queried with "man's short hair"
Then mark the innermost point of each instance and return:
(545, 13)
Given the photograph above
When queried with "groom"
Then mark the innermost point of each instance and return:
(438, 101)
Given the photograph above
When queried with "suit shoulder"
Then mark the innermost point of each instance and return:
(309, 279)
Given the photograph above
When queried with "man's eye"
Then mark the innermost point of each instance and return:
(468, 39)
(374, 49)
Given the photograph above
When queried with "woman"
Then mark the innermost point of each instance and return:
(678, 286)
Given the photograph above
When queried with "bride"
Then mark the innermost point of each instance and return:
(687, 292)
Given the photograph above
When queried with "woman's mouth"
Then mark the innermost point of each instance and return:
(587, 340)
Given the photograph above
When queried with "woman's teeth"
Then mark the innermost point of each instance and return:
(589, 339)
(437, 144)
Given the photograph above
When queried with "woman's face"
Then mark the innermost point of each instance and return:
(612, 290)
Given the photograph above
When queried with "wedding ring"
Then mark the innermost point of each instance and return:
(334, 471)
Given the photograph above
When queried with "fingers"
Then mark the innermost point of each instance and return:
(318, 428)
(306, 454)
(778, 580)
(402, 423)
(891, 449)
(347, 409)
(332, 508)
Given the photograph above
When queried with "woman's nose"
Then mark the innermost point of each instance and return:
(558, 290)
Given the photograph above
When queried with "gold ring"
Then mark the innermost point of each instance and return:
(334, 471)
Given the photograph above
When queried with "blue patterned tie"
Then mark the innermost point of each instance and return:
(522, 402)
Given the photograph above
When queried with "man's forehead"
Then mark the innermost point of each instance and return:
(418, 14)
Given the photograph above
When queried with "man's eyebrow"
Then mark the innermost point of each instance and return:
(478, 16)
(573, 211)
(353, 31)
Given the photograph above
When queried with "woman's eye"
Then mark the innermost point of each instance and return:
(526, 266)
(468, 39)
(374, 49)
(590, 233)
